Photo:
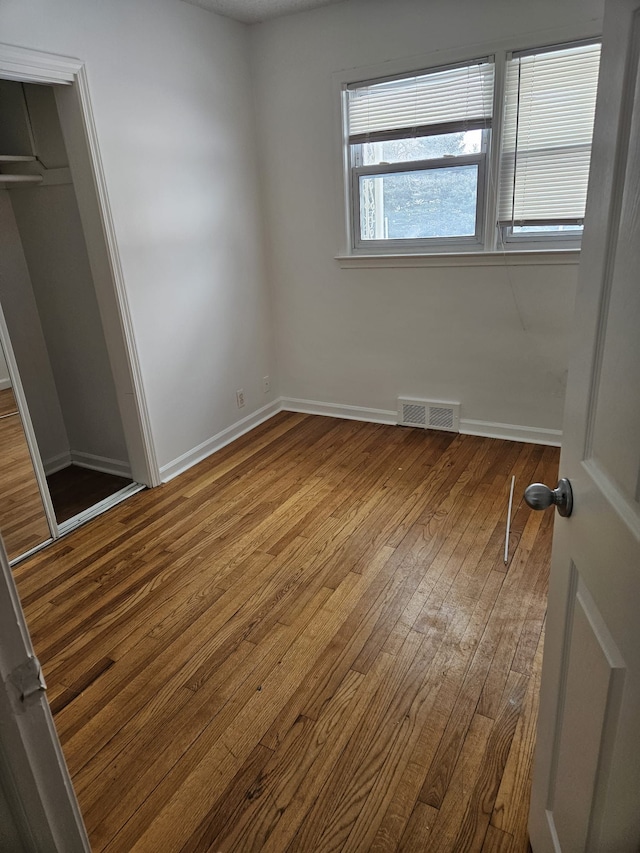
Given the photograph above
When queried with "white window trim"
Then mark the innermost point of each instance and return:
(515, 258)
(493, 242)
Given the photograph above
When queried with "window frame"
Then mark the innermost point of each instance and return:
(491, 236)
(541, 240)
(560, 239)
(429, 165)
(432, 245)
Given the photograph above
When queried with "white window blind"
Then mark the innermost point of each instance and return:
(550, 101)
(452, 96)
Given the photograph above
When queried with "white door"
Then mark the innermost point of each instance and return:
(586, 789)
(37, 800)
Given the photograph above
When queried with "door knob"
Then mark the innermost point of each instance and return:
(539, 496)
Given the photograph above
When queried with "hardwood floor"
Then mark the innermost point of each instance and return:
(23, 523)
(309, 642)
(8, 405)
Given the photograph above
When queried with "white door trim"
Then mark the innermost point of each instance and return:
(25, 65)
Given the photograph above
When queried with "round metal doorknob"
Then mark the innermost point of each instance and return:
(539, 496)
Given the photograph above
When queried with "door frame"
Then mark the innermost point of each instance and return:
(69, 78)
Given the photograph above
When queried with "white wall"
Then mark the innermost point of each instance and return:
(171, 95)
(492, 338)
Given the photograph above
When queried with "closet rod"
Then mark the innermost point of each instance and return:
(20, 179)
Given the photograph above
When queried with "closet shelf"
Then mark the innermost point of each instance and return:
(16, 158)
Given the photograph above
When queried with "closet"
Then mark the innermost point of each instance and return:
(62, 440)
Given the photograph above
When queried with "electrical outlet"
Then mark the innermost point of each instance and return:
(266, 384)
(240, 397)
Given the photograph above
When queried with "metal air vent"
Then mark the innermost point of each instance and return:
(429, 414)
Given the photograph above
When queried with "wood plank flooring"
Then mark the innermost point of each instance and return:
(309, 642)
(8, 405)
(23, 523)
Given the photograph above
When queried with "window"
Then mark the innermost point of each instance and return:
(420, 153)
(418, 150)
(550, 101)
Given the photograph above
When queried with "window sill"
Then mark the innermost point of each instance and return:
(511, 258)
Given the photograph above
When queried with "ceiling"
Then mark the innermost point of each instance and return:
(253, 11)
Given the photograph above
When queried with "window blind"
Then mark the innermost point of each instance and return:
(550, 101)
(450, 96)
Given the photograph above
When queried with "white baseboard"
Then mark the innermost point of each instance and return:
(101, 463)
(4, 384)
(339, 410)
(511, 432)
(218, 441)
(487, 429)
(57, 462)
(86, 460)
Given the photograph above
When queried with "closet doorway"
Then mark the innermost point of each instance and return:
(72, 428)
